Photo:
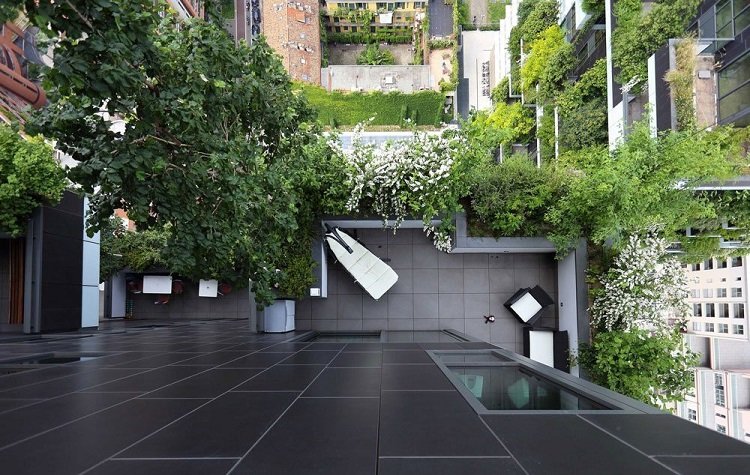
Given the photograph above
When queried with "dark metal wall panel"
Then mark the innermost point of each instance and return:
(663, 94)
(61, 265)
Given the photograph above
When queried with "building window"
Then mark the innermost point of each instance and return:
(737, 292)
(719, 392)
(697, 326)
(708, 264)
(380, 5)
(721, 429)
(721, 264)
(723, 328)
(695, 293)
(737, 261)
(709, 327)
(692, 415)
(695, 267)
(738, 329)
(739, 310)
(400, 5)
(710, 310)
(697, 310)
(723, 310)
(721, 293)
(708, 293)
(418, 5)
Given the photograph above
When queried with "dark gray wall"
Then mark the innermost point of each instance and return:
(61, 264)
(189, 305)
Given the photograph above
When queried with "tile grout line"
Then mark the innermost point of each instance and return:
(283, 413)
(81, 391)
(502, 444)
(628, 444)
(445, 457)
(187, 413)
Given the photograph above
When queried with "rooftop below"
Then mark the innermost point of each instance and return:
(213, 398)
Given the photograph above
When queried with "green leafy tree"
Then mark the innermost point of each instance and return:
(29, 177)
(212, 142)
(641, 32)
(653, 368)
(549, 59)
(512, 197)
(644, 183)
(373, 55)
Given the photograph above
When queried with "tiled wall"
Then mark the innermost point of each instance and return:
(435, 291)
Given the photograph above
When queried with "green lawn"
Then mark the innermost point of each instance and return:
(497, 10)
(351, 108)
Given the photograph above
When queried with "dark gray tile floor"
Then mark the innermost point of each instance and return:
(253, 404)
(435, 291)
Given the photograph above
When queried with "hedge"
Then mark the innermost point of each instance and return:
(396, 37)
(351, 108)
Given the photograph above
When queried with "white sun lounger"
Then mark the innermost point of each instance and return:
(374, 275)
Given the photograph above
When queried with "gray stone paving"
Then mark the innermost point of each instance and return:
(435, 291)
(441, 18)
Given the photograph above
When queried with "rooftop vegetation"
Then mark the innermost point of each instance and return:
(351, 108)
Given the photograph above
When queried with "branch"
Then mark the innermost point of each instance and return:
(80, 15)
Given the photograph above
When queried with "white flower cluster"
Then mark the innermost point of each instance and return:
(402, 178)
(644, 289)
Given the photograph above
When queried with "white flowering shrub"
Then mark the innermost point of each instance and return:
(417, 177)
(644, 288)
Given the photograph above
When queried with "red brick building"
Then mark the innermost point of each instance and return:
(292, 29)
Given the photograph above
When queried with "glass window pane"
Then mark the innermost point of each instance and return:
(723, 14)
(735, 102)
(741, 21)
(707, 25)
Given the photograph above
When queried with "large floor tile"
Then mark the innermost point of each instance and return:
(310, 357)
(651, 434)
(448, 466)
(28, 421)
(209, 384)
(150, 380)
(433, 423)
(283, 378)
(225, 427)
(68, 384)
(405, 356)
(319, 436)
(257, 360)
(707, 465)
(163, 467)
(361, 360)
(346, 382)
(545, 444)
(216, 358)
(82, 444)
(414, 377)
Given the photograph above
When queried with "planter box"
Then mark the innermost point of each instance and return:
(278, 317)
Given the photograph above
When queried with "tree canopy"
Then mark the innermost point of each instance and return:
(213, 147)
(29, 177)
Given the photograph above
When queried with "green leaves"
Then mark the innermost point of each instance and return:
(640, 33)
(29, 177)
(653, 368)
(212, 153)
(511, 198)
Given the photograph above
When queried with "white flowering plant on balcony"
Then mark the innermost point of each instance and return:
(644, 289)
(417, 177)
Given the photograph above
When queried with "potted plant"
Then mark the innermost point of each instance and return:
(294, 282)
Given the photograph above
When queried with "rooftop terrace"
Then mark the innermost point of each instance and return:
(213, 398)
